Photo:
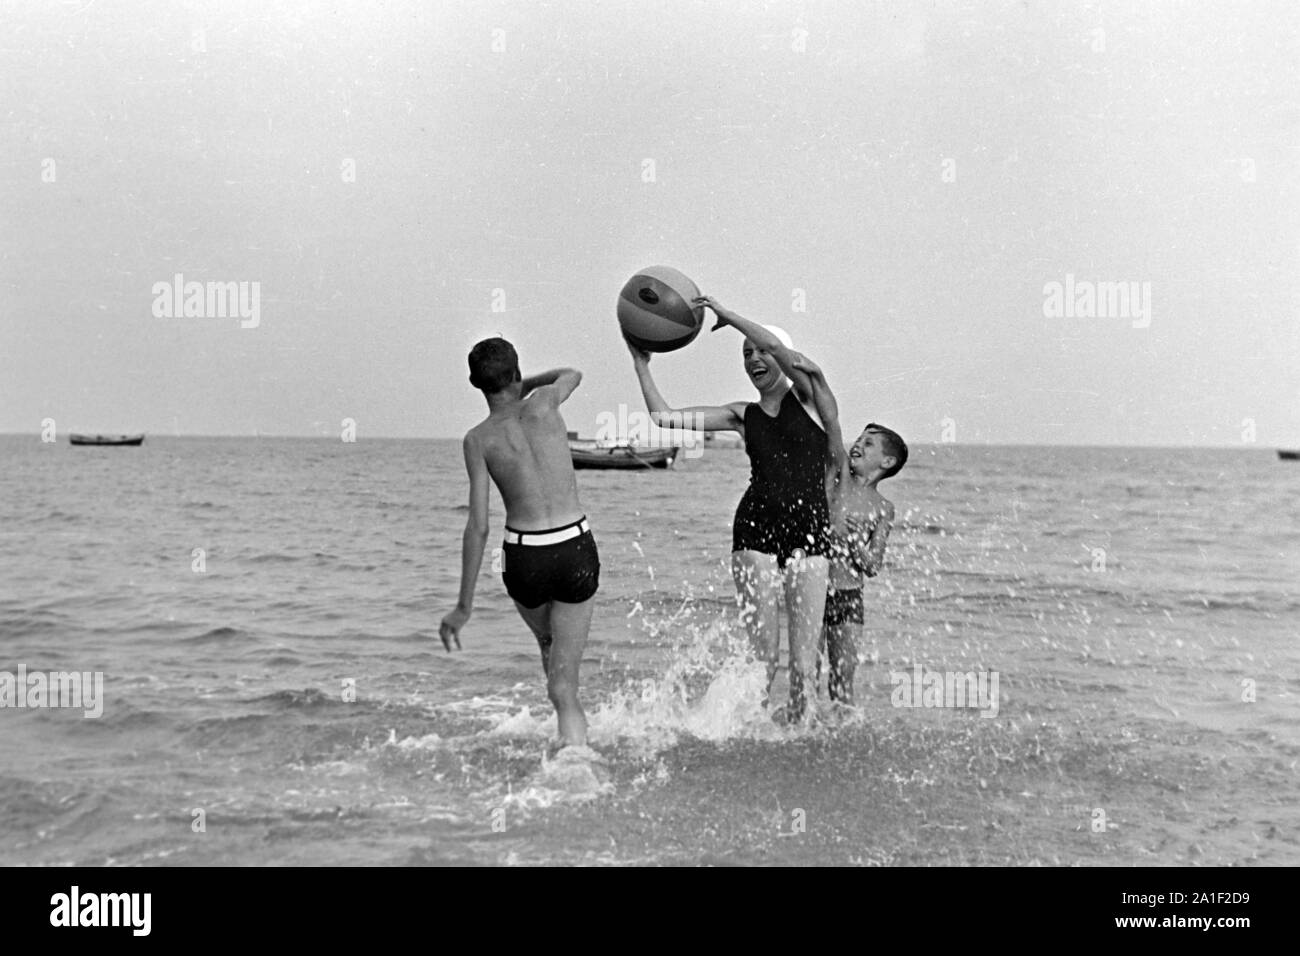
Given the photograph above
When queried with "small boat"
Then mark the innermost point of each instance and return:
(105, 439)
(1289, 454)
(622, 455)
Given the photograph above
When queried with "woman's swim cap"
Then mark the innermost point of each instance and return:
(781, 334)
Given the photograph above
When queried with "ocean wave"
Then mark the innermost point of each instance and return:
(219, 634)
(1260, 603)
(23, 800)
(282, 660)
(120, 716)
(923, 527)
(205, 506)
(300, 698)
(275, 557)
(210, 731)
(17, 621)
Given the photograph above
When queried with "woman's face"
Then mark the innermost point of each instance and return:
(760, 367)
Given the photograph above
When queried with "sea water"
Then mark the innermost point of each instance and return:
(264, 614)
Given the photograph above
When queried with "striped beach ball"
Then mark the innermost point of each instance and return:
(655, 312)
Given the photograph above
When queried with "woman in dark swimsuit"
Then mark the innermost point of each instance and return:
(778, 539)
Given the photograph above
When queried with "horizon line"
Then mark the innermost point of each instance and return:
(1255, 446)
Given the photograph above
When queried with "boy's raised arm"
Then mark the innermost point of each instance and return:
(473, 543)
(828, 410)
(565, 380)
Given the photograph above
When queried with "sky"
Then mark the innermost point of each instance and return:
(898, 185)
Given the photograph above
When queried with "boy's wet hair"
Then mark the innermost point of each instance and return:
(493, 364)
(893, 445)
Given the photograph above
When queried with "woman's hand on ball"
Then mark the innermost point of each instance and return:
(639, 356)
(719, 310)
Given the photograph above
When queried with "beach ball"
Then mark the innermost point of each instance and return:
(655, 311)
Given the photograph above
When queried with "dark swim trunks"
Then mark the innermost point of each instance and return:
(561, 564)
(784, 509)
(843, 606)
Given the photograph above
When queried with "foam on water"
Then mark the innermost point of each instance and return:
(574, 774)
(707, 687)
(712, 688)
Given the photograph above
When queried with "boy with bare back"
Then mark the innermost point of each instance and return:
(551, 567)
(860, 519)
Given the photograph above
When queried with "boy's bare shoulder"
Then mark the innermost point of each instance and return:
(475, 437)
(543, 401)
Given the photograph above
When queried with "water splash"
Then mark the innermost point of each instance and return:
(712, 689)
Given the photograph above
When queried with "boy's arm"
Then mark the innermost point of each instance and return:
(828, 410)
(473, 542)
(704, 418)
(869, 547)
(765, 340)
(565, 380)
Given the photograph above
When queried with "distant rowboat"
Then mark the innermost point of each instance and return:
(106, 439)
(593, 454)
(1288, 454)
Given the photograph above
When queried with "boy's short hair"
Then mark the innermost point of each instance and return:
(893, 445)
(493, 364)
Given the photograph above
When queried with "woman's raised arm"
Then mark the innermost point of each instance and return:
(703, 418)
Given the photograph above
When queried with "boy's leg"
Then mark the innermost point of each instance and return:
(758, 592)
(843, 654)
(538, 620)
(805, 580)
(570, 624)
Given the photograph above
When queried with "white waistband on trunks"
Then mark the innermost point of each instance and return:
(533, 538)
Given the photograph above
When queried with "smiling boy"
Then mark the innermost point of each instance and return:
(860, 519)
